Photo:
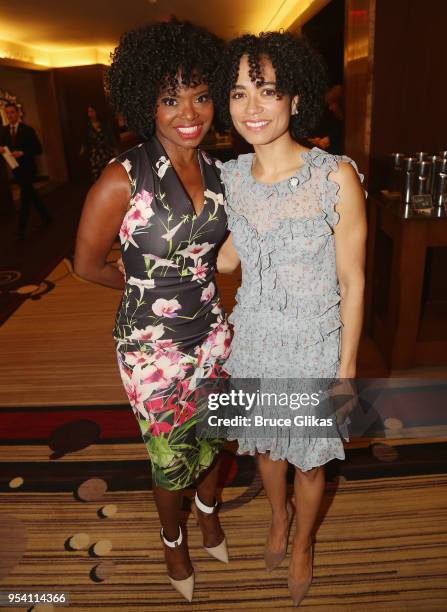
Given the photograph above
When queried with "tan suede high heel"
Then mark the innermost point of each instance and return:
(186, 586)
(219, 552)
(273, 559)
(298, 588)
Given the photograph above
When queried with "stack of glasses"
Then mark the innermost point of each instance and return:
(421, 174)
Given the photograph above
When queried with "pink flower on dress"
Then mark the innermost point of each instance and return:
(126, 231)
(135, 393)
(220, 342)
(158, 427)
(134, 358)
(215, 346)
(155, 405)
(182, 402)
(208, 293)
(199, 272)
(166, 308)
(141, 209)
(184, 412)
(151, 333)
(160, 374)
(195, 251)
(165, 345)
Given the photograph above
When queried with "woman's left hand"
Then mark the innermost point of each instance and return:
(345, 397)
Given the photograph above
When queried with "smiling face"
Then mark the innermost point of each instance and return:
(183, 119)
(259, 113)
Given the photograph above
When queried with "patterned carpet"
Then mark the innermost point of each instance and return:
(380, 546)
(77, 514)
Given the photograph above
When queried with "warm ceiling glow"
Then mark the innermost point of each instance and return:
(53, 57)
(43, 46)
(292, 11)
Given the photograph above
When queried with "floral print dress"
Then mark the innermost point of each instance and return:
(170, 329)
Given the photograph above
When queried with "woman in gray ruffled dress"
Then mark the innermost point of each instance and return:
(298, 227)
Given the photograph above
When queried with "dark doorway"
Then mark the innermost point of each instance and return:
(326, 32)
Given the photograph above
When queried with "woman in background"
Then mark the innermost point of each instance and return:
(298, 226)
(100, 143)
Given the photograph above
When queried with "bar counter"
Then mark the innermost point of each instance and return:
(398, 246)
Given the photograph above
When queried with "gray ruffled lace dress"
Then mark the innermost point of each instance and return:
(286, 320)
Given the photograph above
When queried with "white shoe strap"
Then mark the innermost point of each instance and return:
(176, 542)
(203, 507)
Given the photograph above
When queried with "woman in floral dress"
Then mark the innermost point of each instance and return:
(164, 198)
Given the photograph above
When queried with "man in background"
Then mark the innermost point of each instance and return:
(24, 145)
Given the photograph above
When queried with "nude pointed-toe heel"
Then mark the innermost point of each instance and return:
(219, 552)
(273, 559)
(185, 586)
(298, 588)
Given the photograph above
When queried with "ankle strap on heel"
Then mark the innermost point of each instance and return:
(176, 542)
(203, 507)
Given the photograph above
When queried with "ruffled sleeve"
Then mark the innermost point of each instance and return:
(227, 170)
(330, 192)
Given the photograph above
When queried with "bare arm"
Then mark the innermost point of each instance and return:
(350, 240)
(227, 257)
(104, 210)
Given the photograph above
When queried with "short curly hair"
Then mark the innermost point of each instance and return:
(299, 71)
(149, 59)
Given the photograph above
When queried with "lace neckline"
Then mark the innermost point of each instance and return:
(290, 180)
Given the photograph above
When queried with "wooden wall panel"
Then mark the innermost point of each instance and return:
(48, 109)
(395, 59)
(359, 57)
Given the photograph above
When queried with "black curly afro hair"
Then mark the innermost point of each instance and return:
(149, 59)
(299, 71)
